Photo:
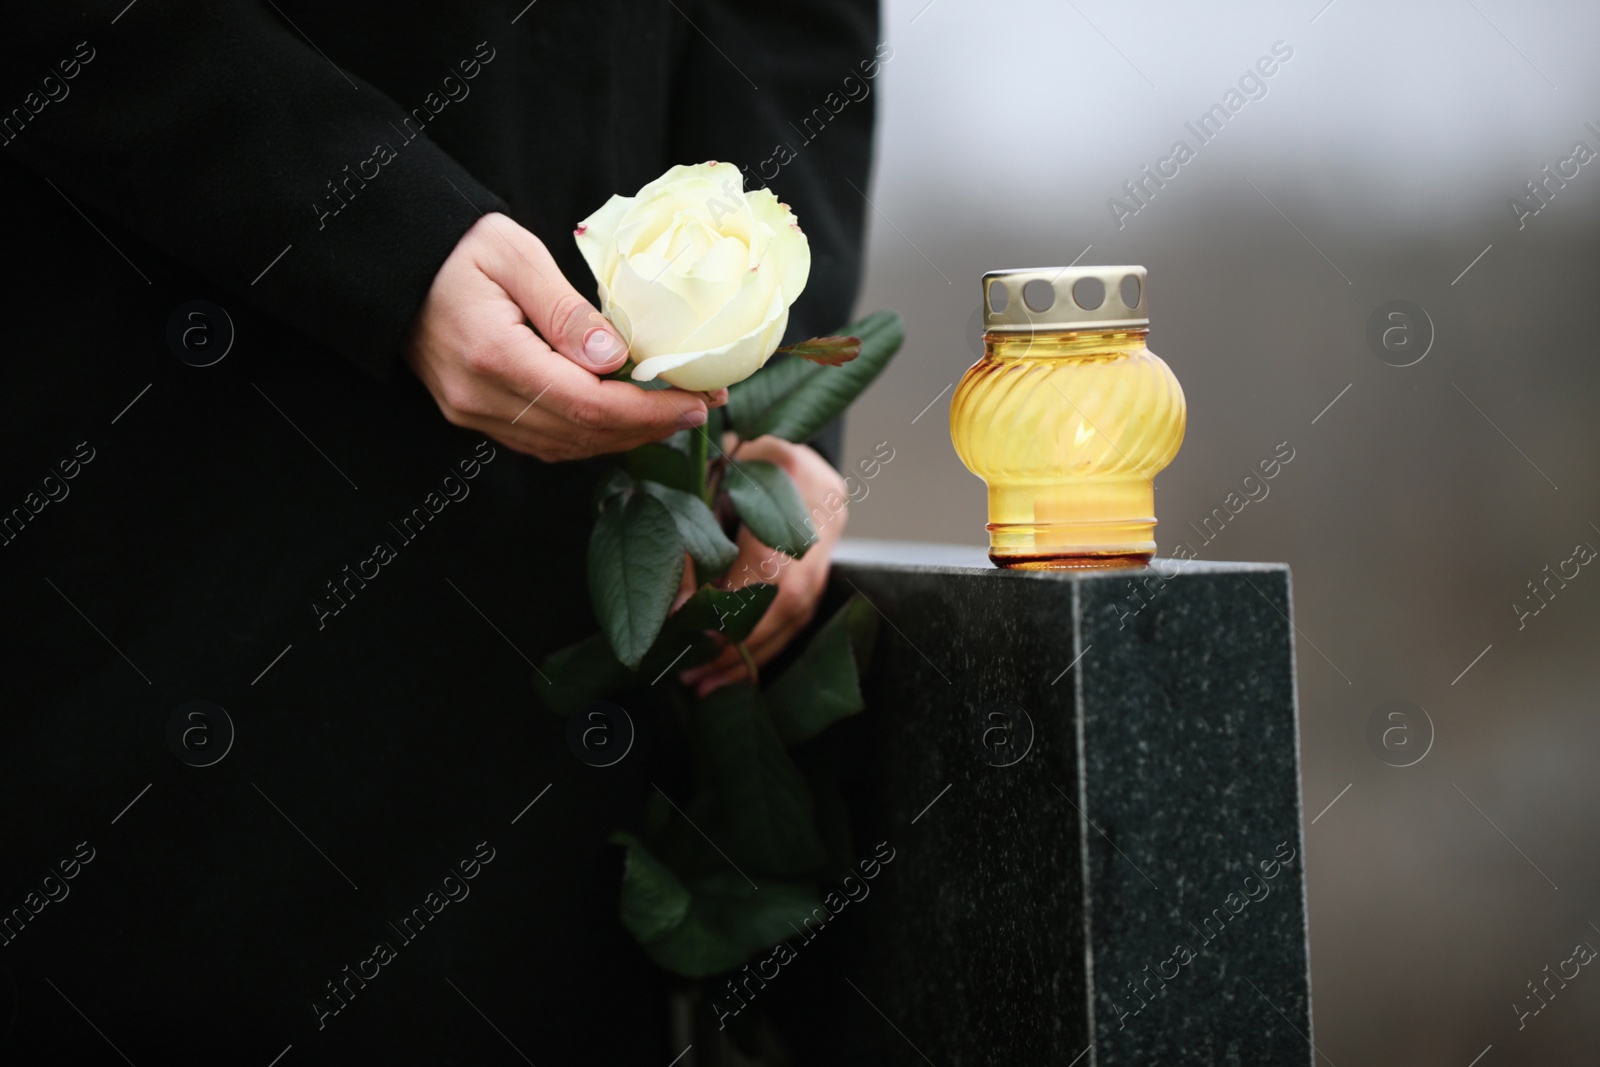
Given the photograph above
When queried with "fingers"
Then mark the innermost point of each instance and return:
(488, 371)
(569, 326)
(788, 616)
(571, 415)
(686, 586)
(554, 408)
(611, 416)
(521, 264)
(800, 584)
(708, 677)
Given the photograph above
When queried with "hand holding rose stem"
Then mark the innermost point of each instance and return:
(541, 393)
(536, 390)
(723, 281)
(698, 275)
(800, 582)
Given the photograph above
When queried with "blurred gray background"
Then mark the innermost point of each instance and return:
(1417, 507)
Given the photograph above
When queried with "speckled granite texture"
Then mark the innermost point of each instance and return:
(1129, 891)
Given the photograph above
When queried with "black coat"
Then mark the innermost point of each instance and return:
(167, 530)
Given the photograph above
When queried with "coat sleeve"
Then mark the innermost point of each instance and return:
(787, 90)
(216, 133)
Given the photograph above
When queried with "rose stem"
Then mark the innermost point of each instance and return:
(697, 462)
(749, 663)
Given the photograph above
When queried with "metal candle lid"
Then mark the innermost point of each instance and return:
(1064, 298)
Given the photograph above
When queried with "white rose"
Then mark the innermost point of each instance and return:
(697, 274)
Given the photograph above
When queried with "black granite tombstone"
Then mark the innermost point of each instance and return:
(1090, 781)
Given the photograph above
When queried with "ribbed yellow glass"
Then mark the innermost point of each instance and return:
(1069, 429)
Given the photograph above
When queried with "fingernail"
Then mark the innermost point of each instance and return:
(599, 344)
(690, 419)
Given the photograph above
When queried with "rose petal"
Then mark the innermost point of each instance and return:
(596, 235)
(706, 291)
(682, 174)
(727, 260)
(691, 239)
(788, 250)
(686, 267)
(746, 305)
(719, 367)
(660, 318)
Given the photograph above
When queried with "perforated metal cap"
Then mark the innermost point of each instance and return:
(1052, 298)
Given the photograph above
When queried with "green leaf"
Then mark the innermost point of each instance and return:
(704, 625)
(702, 535)
(822, 686)
(580, 673)
(755, 919)
(654, 902)
(661, 463)
(793, 399)
(716, 422)
(635, 565)
(766, 821)
(770, 505)
(829, 351)
(716, 925)
(753, 402)
(616, 481)
(694, 634)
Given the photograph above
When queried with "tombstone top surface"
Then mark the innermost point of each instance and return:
(933, 556)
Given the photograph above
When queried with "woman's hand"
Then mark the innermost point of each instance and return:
(800, 581)
(538, 393)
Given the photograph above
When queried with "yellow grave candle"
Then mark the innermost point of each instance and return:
(1068, 417)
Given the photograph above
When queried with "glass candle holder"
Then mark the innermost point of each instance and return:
(1068, 417)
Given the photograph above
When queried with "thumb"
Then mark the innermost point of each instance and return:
(521, 264)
